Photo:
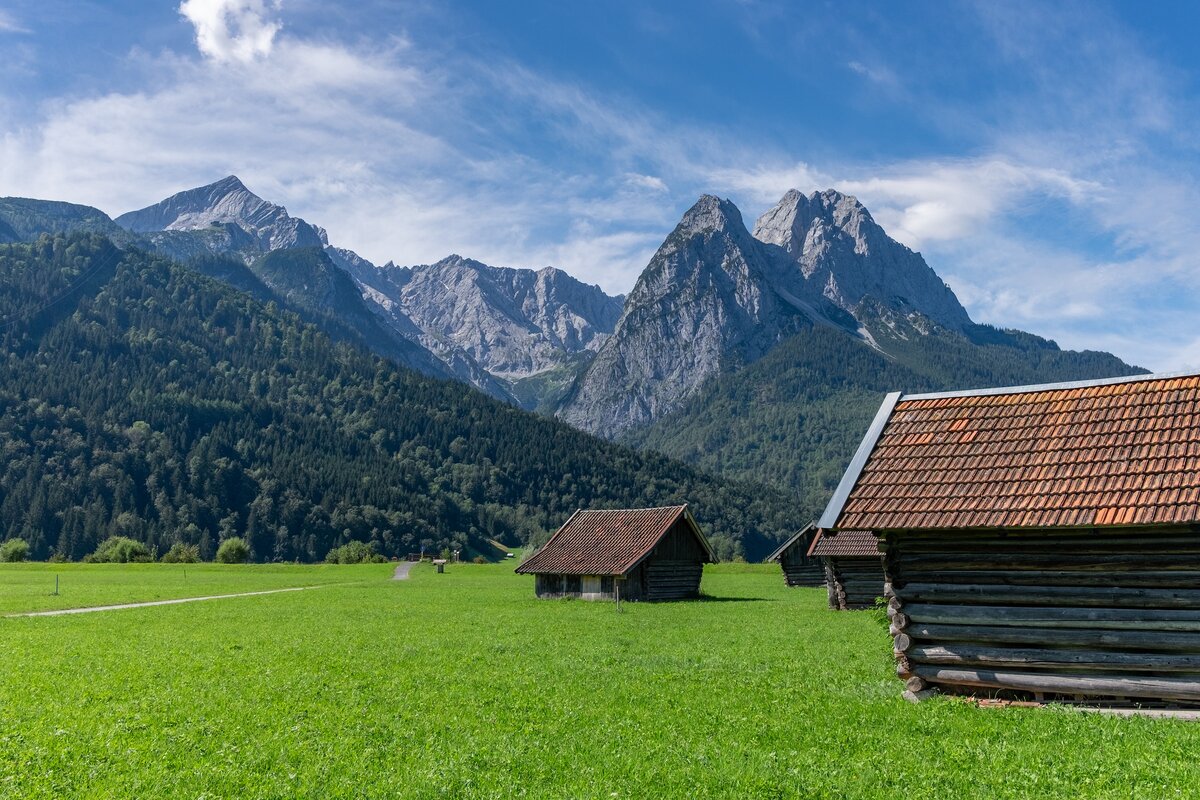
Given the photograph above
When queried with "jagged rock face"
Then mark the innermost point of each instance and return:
(831, 247)
(493, 323)
(226, 201)
(705, 303)
(714, 298)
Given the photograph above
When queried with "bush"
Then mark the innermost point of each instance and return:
(354, 553)
(120, 550)
(233, 550)
(14, 550)
(181, 553)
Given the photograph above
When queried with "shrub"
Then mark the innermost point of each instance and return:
(354, 553)
(14, 550)
(479, 560)
(120, 550)
(181, 553)
(233, 550)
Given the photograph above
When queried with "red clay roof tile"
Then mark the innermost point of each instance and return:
(1110, 454)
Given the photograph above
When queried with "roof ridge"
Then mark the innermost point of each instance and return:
(1033, 388)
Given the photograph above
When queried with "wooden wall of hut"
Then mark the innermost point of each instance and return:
(799, 569)
(1098, 616)
(853, 582)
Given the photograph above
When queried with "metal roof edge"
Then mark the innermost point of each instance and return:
(1052, 387)
(840, 495)
(779, 550)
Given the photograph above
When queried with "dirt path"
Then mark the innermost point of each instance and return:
(90, 609)
(401, 573)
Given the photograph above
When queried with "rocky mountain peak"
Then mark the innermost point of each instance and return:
(710, 213)
(831, 244)
(225, 201)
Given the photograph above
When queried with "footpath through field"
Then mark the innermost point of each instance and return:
(401, 573)
(89, 609)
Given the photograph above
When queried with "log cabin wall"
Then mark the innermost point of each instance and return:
(853, 582)
(799, 569)
(1105, 616)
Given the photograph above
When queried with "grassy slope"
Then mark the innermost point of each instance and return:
(464, 685)
(30, 587)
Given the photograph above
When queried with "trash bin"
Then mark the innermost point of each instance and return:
(441, 564)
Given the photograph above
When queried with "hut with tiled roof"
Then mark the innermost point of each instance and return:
(853, 567)
(626, 554)
(1040, 542)
(799, 568)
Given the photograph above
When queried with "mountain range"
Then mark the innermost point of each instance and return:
(756, 354)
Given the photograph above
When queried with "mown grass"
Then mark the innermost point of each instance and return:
(464, 685)
(30, 586)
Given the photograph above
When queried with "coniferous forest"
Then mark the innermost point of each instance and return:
(140, 398)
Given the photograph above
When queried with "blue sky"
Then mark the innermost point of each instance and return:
(1044, 157)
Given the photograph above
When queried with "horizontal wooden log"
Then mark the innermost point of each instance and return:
(994, 594)
(1000, 576)
(1162, 641)
(1048, 561)
(1038, 658)
(1064, 544)
(1087, 685)
(1054, 617)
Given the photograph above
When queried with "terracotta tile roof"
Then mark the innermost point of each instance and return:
(1112, 453)
(607, 542)
(845, 543)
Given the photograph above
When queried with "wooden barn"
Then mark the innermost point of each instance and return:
(852, 567)
(799, 569)
(630, 554)
(1040, 542)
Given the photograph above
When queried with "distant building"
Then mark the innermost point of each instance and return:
(853, 568)
(1040, 542)
(636, 554)
(798, 568)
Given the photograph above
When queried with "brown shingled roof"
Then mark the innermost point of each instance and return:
(845, 543)
(608, 542)
(1111, 453)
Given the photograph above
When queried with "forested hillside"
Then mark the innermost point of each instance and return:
(794, 419)
(139, 397)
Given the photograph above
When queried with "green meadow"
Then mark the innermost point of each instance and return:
(464, 685)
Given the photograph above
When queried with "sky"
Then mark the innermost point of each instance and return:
(1043, 157)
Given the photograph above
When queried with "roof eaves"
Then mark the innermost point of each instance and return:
(682, 511)
(779, 551)
(838, 501)
(520, 570)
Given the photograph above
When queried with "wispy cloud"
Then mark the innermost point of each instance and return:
(10, 24)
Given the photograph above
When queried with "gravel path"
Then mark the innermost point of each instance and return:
(401, 573)
(90, 609)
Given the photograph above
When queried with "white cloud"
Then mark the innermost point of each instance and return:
(232, 30)
(880, 75)
(649, 182)
(9, 23)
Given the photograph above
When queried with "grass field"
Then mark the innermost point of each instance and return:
(30, 587)
(464, 685)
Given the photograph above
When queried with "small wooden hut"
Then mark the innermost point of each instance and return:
(853, 568)
(630, 554)
(1040, 542)
(799, 569)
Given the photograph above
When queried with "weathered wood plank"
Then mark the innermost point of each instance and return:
(1054, 617)
(999, 576)
(1038, 658)
(995, 594)
(1088, 685)
(1055, 637)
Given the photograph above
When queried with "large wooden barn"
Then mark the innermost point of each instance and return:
(626, 554)
(1041, 542)
(799, 569)
(852, 566)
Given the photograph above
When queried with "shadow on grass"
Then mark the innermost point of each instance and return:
(706, 598)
